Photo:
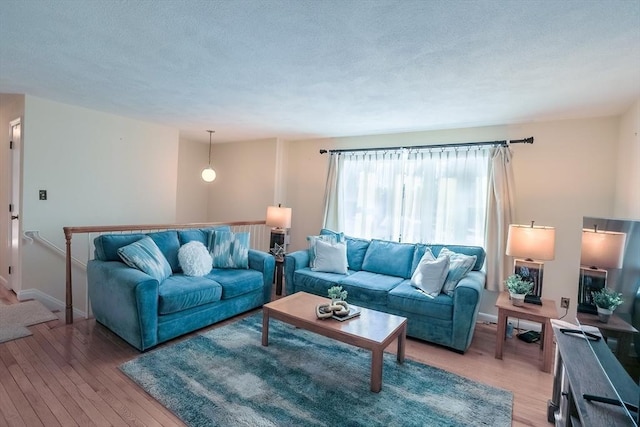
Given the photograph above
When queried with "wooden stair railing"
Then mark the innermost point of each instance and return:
(70, 231)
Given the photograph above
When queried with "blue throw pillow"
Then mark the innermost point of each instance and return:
(459, 266)
(230, 250)
(330, 257)
(146, 256)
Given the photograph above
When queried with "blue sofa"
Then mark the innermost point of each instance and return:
(378, 278)
(145, 313)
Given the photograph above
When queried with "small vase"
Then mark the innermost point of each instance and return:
(517, 299)
(604, 314)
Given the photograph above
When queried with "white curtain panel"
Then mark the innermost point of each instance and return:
(500, 213)
(428, 196)
(445, 196)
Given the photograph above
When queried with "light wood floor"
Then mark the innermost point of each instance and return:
(67, 375)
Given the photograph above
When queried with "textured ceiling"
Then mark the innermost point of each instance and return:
(298, 69)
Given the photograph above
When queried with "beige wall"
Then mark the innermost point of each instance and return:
(567, 173)
(11, 108)
(98, 169)
(627, 204)
(192, 198)
(246, 180)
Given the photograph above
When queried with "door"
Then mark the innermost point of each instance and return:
(15, 175)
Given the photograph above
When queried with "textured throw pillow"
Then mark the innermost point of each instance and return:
(331, 238)
(459, 266)
(195, 259)
(330, 257)
(430, 274)
(146, 256)
(230, 250)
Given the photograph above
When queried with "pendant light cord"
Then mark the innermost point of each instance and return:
(210, 132)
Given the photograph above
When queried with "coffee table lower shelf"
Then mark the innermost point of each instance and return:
(372, 330)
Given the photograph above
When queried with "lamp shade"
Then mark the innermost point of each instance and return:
(279, 217)
(531, 242)
(602, 249)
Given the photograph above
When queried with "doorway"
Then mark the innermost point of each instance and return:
(15, 226)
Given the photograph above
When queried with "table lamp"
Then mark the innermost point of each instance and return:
(531, 245)
(280, 219)
(600, 251)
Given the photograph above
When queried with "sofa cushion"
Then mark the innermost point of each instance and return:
(195, 259)
(459, 266)
(407, 299)
(330, 257)
(229, 250)
(180, 292)
(107, 245)
(169, 245)
(146, 256)
(236, 282)
(390, 258)
(356, 250)
(430, 274)
(199, 234)
(315, 282)
(365, 287)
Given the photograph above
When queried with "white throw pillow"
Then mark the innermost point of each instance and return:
(195, 259)
(330, 257)
(430, 274)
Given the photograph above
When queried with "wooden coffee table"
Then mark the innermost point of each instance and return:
(372, 330)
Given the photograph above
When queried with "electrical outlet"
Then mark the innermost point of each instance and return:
(564, 302)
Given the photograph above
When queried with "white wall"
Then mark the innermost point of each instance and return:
(568, 172)
(192, 198)
(11, 108)
(627, 204)
(98, 169)
(246, 180)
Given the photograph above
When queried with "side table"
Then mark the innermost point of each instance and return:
(616, 328)
(535, 313)
(279, 273)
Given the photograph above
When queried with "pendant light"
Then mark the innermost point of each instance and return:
(209, 174)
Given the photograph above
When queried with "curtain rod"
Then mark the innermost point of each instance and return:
(503, 143)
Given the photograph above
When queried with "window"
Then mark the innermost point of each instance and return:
(428, 196)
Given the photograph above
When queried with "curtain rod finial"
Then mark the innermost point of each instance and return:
(323, 151)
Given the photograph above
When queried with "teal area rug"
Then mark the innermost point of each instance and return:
(225, 377)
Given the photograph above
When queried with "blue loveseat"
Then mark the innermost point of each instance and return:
(378, 277)
(145, 312)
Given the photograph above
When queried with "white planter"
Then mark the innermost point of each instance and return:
(604, 314)
(517, 299)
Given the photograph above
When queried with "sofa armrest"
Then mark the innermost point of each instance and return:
(466, 304)
(292, 262)
(266, 264)
(125, 300)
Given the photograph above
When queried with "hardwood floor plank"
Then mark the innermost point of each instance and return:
(40, 398)
(20, 401)
(9, 414)
(94, 407)
(37, 379)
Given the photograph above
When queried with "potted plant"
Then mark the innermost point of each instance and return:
(337, 294)
(606, 300)
(518, 288)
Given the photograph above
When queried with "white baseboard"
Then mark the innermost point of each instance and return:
(48, 301)
(522, 324)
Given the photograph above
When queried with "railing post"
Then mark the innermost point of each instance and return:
(69, 294)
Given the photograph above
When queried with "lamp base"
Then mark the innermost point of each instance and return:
(277, 242)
